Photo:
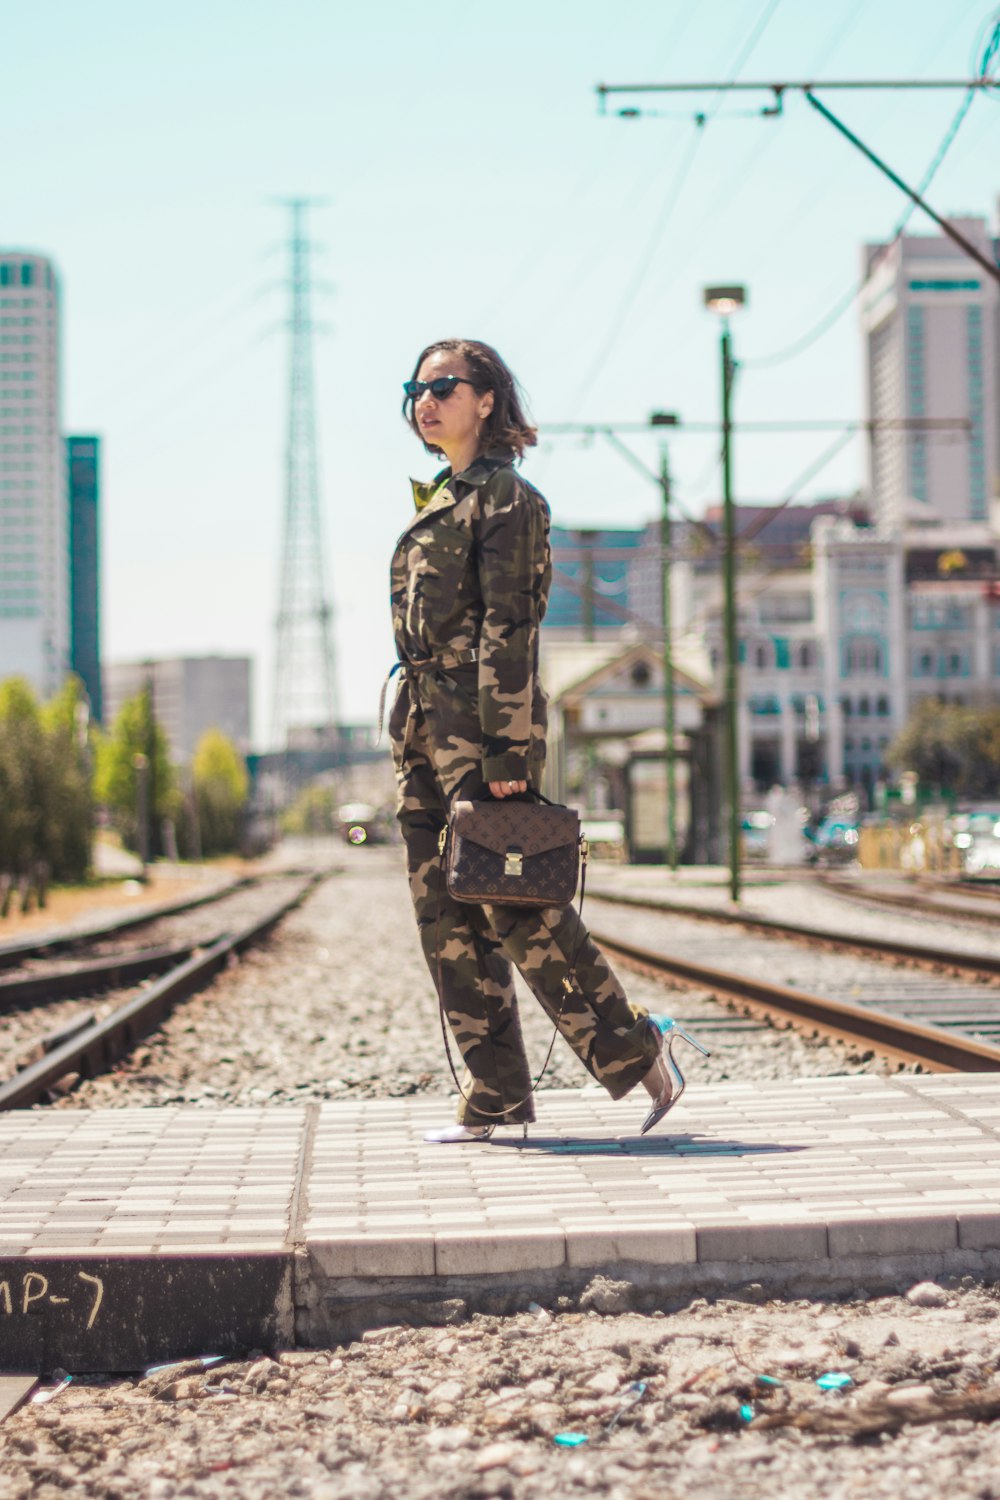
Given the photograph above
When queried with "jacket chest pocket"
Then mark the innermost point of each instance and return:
(441, 551)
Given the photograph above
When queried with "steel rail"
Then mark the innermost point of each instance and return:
(906, 1040)
(68, 937)
(81, 980)
(101, 1045)
(914, 901)
(983, 964)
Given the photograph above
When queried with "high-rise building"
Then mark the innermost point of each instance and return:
(931, 320)
(83, 472)
(34, 540)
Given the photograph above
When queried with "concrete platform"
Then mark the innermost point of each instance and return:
(138, 1235)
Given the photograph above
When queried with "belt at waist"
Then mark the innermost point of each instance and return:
(444, 662)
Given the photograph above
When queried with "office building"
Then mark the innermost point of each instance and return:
(590, 580)
(83, 476)
(190, 694)
(930, 317)
(34, 540)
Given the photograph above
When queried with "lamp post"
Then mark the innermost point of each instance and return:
(667, 419)
(725, 300)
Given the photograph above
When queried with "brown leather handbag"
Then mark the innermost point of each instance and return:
(513, 851)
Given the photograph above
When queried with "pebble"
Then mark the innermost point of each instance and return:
(927, 1294)
(447, 1392)
(448, 1439)
(909, 1395)
(494, 1456)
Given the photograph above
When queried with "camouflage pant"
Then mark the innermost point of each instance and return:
(612, 1038)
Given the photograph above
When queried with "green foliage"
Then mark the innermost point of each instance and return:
(135, 734)
(952, 747)
(45, 808)
(221, 785)
(313, 811)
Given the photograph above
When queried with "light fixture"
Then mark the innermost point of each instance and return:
(725, 299)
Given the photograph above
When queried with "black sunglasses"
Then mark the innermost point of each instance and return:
(440, 389)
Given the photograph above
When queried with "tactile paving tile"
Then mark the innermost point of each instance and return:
(798, 1170)
(147, 1180)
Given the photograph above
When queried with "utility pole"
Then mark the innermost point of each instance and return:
(587, 560)
(729, 586)
(670, 763)
(305, 692)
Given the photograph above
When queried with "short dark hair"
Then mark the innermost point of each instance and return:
(507, 427)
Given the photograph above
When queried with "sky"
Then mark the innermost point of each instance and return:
(471, 187)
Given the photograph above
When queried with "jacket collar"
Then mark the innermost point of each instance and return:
(440, 492)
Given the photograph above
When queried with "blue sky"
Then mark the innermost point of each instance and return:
(473, 188)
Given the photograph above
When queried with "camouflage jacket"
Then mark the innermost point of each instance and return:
(472, 572)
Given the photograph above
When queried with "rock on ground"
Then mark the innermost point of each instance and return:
(710, 1400)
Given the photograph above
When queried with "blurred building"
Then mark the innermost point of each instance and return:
(190, 694)
(591, 580)
(34, 533)
(931, 322)
(83, 473)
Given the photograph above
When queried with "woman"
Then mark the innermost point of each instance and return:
(470, 579)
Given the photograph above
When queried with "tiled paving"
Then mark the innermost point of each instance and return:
(145, 1181)
(132, 1236)
(800, 1170)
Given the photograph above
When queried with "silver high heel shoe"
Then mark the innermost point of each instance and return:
(669, 1095)
(451, 1135)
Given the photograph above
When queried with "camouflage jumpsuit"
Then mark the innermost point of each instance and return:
(470, 579)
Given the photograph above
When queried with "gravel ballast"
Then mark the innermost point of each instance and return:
(339, 1004)
(714, 1400)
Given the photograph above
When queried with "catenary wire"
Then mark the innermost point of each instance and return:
(846, 300)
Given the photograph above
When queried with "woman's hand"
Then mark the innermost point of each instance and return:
(507, 788)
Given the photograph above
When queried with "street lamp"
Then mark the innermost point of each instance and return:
(726, 300)
(667, 419)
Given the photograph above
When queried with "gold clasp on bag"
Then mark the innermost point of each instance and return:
(442, 839)
(513, 860)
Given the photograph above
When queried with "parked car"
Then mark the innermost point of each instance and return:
(359, 823)
(834, 841)
(755, 833)
(977, 836)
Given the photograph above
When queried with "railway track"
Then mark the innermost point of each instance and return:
(17, 953)
(942, 1022)
(93, 1045)
(962, 903)
(983, 965)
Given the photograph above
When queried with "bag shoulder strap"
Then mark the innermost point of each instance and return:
(569, 981)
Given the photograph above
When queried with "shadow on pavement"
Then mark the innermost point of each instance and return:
(674, 1145)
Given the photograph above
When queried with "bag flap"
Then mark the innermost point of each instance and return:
(530, 827)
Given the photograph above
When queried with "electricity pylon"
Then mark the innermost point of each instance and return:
(304, 706)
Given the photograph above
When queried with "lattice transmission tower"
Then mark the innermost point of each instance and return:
(304, 704)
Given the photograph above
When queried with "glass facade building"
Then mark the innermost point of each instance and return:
(83, 475)
(34, 540)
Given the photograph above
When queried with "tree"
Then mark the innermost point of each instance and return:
(135, 734)
(45, 809)
(22, 747)
(67, 806)
(951, 746)
(221, 785)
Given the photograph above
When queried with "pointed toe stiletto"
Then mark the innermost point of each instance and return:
(674, 1081)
